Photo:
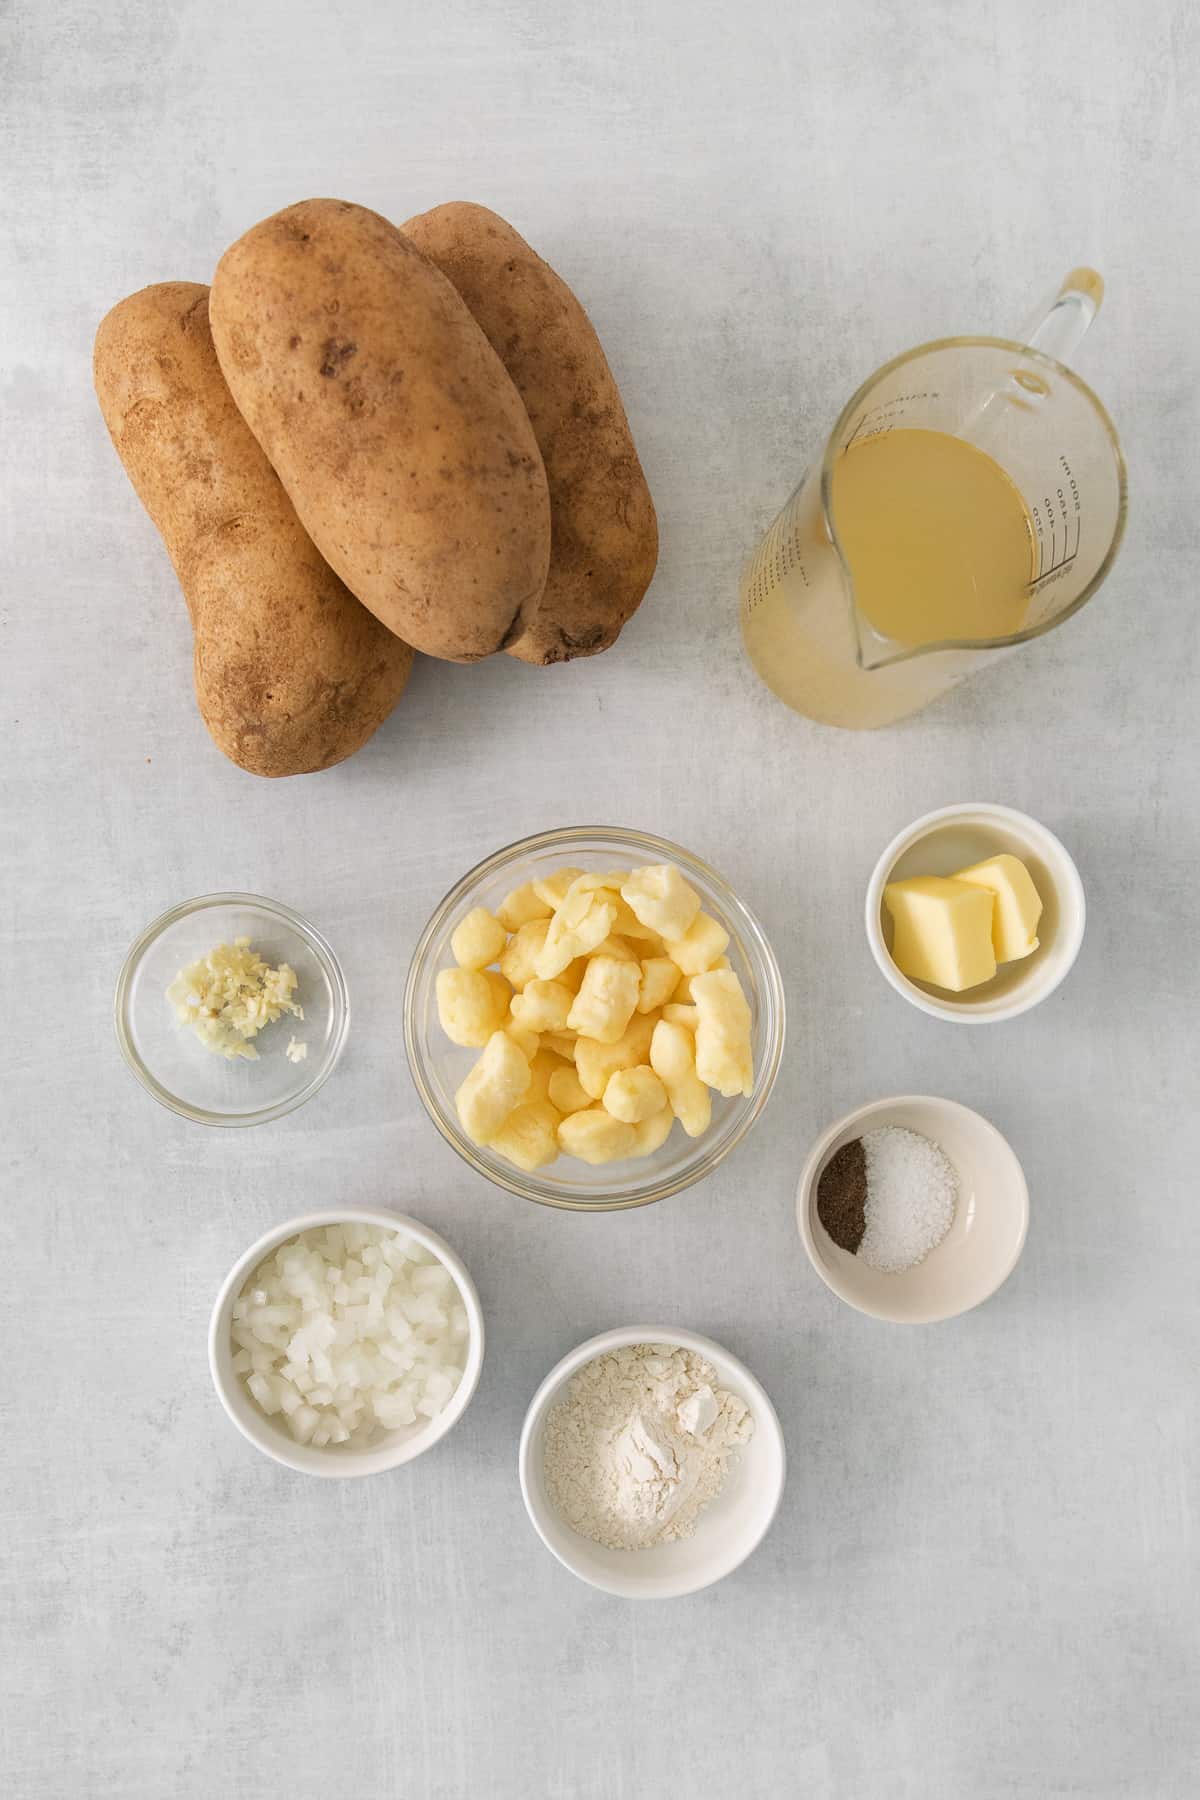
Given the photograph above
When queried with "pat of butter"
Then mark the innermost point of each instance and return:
(1018, 905)
(943, 931)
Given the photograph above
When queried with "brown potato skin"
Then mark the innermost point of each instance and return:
(604, 534)
(292, 674)
(388, 417)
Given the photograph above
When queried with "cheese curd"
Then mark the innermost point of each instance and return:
(518, 962)
(700, 945)
(471, 1003)
(619, 948)
(605, 1008)
(567, 1092)
(543, 1067)
(498, 1082)
(635, 1095)
(552, 889)
(660, 977)
(605, 1003)
(521, 907)
(577, 933)
(653, 1133)
(527, 1042)
(596, 1137)
(529, 1135)
(683, 992)
(662, 900)
(723, 1053)
(594, 1063)
(478, 939)
(673, 1059)
(542, 1005)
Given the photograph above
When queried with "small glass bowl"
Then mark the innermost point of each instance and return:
(170, 1061)
(438, 1066)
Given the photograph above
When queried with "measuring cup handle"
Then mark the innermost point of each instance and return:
(1060, 322)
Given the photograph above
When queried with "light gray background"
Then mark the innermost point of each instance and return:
(983, 1579)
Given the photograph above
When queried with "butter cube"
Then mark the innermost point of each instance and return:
(1018, 904)
(943, 931)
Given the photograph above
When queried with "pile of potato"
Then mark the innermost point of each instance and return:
(366, 440)
(605, 1008)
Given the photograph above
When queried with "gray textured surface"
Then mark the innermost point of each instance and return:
(983, 1581)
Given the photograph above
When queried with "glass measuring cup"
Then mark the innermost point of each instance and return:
(804, 628)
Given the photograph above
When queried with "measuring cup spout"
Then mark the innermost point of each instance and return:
(1059, 324)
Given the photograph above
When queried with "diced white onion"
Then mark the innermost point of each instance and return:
(347, 1333)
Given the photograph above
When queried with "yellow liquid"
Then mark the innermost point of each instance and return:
(938, 539)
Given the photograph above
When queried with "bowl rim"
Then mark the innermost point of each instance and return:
(765, 1415)
(528, 1187)
(273, 1443)
(815, 1160)
(1067, 879)
(321, 949)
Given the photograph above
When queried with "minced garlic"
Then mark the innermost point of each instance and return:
(230, 995)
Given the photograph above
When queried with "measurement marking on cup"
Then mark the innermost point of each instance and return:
(1064, 500)
(1057, 566)
(1056, 569)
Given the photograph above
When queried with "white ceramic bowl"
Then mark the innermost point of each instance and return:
(982, 1246)
(953, 838)
(272, 1438)
(732, 1526)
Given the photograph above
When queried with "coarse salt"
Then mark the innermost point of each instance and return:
(912, 1191)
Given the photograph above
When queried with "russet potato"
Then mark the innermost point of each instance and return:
(604, 542)
(291, 673)
(391, 422)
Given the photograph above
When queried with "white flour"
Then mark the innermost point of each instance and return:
(640, 1445)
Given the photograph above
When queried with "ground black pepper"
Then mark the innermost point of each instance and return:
(842, 1195)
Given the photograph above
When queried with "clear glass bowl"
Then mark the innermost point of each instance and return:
(171, 1062)
(438, 1066)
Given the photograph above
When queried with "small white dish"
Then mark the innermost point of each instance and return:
(272, 1438)
(730, 1527)
(982, 1246)
(953, 838)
